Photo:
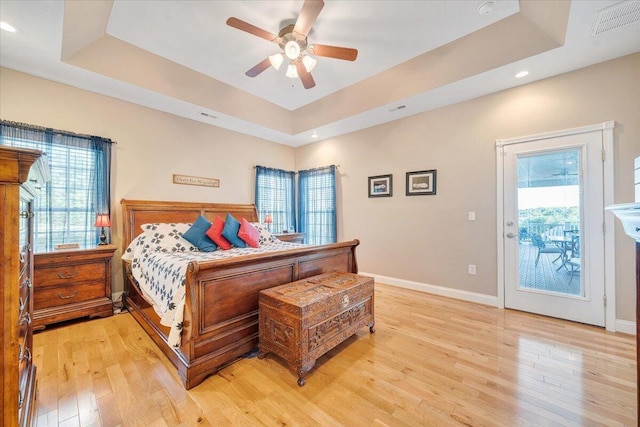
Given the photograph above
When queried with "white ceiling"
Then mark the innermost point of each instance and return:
(201, 40)
(386, 34)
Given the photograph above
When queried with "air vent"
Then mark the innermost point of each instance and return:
(616, 16)
(399, 107)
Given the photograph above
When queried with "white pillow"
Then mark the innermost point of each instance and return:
(167, 237)
(266, 238)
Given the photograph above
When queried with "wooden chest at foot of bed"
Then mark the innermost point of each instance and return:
(302, 320)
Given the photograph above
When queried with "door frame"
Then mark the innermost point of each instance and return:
(608, 226)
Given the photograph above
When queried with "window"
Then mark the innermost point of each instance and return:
(317, 204)
(275, 195)
(65, 211)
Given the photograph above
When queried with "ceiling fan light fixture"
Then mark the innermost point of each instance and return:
(276, 60)
(292, 72)
(292, 49)
(293, 42)
(309, 63)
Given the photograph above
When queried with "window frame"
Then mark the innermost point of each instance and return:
(79, 189)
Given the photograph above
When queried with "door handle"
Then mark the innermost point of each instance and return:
(511, 235)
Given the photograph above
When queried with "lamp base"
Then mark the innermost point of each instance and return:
(103, 238)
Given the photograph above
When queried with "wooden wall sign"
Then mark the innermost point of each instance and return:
(195, 180)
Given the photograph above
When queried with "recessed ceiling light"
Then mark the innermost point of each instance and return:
(7, 27)
(314, 134)
(522, 74)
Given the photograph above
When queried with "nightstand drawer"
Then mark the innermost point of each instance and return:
(63, 295)
(69, 274)
(69, 284)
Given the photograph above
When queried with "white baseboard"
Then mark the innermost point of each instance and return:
(436, 290)
(623, 326)
(626, 327)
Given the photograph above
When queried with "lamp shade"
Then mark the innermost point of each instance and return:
(309, 63)
(292, 72)
(268, 219)
(276, 60)
(102, 220)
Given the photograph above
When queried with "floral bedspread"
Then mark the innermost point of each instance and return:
(161, 275)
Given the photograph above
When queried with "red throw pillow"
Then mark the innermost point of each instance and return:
(215, 234)
(249, 234)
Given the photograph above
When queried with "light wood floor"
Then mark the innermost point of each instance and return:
(432, 362)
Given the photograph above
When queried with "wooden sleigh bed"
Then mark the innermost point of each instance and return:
(221, 301)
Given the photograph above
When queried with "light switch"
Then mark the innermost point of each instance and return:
(472, 216)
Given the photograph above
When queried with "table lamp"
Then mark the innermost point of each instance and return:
(268, 219)
(102, 221)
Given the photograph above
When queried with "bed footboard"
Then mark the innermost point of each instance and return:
(221, 307)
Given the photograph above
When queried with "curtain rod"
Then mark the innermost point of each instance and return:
(321, 167)
(27, 126)
(273, 169)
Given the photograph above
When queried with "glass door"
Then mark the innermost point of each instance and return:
(549, 218)
(553, 241)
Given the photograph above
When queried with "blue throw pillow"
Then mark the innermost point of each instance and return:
(197, 236)
(230, 232)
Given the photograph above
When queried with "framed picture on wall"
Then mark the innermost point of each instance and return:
(421, 183)
(381, 186)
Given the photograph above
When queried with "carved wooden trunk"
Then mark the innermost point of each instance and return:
(302, 320)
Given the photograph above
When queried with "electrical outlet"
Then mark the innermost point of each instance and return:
(472, 269)
(472, 216)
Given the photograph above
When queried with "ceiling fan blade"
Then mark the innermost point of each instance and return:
(345, 53)
(251, 29)
(308, 14)
(305, 76)
(258, 68)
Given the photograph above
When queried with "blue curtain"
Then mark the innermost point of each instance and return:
(317, 204)
(275, 195)
(79, 188)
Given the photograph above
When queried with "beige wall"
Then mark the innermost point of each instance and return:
(428, 239)
(151, 145)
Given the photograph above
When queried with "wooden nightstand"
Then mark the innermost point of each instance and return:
(291, 237)
(72, 283)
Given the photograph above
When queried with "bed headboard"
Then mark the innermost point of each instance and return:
(138, 212)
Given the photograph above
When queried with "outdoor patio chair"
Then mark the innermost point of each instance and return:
(543, 248)
(573, 263)
(573, 268)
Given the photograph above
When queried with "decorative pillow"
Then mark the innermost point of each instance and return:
(215, 234)
(167, 237)
(266, 238)
(196, 234)
(230, 231)
(134, 247)
(249, 234)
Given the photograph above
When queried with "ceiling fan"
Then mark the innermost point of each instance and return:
(292, 39)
